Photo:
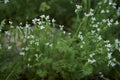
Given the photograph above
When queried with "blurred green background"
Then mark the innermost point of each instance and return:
(22, 11)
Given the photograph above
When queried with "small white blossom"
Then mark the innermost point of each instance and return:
(36, 55)
(91, 14)
(104, 20)
(64, 32)
(107, 11)
(87, 15)
(98, 29)
(51, 45)
(109, 23)
(81, 46)
(95, 25)
(111, 20)
(37, 43)
(111, 63)
(6, 1)
(92, 31)
(10, 22)
(102, 11)
(53, 20)
(116, 23)
(42, 16)
(108, 45)
(80, 36)
(118, 11)
(107, 41)
(91, 10)
(22, 53)
(109, 55)
(83, 42)
(9, 47)
(91, 61)
(91, 55)
(42, 27)
(78, 6)
(47, 43)
(61, 27)
(47, 17)
(93, 18)
(99, 38)
(7, 33)
(110, 2)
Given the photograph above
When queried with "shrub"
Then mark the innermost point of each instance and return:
(47, 51)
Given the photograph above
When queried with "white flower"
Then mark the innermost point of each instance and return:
(87, 15)
(92, 31)
(51, 45)
(64, 32)
(107, 11)
(22, 53)
(9, 47)
(111, 63)
(37, 43)
(93, 18)
(7, 33)
(117, 41)
(110, 2)
(80, 35)
(81, 46)
(99, 38)
(118, 11)
(78, 6)
(91, 14)
(61, 27)
(31, 42)
(91, 55)
(111, 20)
(91, 61)
(83, 42)
(95, 25)
(102, 11)
(6, 1)
(34, 20)
(116, 23)
(36, 55)
(47, 17)
(109, 55)
(108, 45)
(91, 10)
(98, 29)
(42, 27)
(69, 34)
(107, 41)
(109, 23)
(10, 22)
(104, 20)
(42, 16)
(47, 43)
(27, 26)
(53, 20)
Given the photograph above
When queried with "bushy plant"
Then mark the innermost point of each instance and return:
(45, 51)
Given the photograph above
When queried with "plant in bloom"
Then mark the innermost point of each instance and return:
(45, 51)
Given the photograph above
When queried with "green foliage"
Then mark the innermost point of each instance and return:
(45, 51)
